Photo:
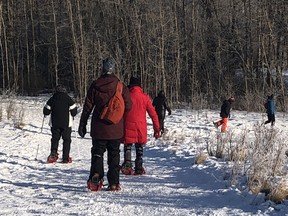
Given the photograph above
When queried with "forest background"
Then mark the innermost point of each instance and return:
(197, 51)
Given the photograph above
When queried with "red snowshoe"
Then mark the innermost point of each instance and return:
(95, 184)
(140, 172)
(67, 161)
(114, 187)
(127, 169)
(52, 158)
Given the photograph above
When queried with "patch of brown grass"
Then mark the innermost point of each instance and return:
(239, 154)
(279, 193)
(200, 158)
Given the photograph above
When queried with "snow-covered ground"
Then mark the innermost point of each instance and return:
(173, 185)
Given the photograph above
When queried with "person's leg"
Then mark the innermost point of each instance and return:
(56, 135)
(66, 136)
(97, 151)
(127, 153)
(161, 122)
(113, 148)
(127, 168)
(220, 122)
(139, 159)
(224, 125)
(269, 119)
(272, 119)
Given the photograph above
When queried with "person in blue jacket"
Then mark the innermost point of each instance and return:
(270, 110)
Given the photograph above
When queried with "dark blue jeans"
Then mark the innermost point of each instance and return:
(113, 159)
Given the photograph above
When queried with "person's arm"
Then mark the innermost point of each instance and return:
(154, 102)
(153, 115)
(126, 98)
(227, 109)
(72, 107)
(167, 107)
(48, 107)
(87, 109)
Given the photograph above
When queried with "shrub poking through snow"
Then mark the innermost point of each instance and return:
(10, 109)
(1, 113)
(200, 158)
(279, 193)
(19, 119)
(263, 164)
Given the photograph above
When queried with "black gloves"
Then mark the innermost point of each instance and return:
(82, 130)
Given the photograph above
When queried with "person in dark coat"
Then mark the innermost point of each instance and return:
(136, 127)
(105, 135)
(62, 109)
(224, 114)
(270, 110)
(160, 104)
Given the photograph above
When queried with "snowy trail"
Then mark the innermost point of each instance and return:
(173, 185)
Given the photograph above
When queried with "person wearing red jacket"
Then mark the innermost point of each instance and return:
(135, 124)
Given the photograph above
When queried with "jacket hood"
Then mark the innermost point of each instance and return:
(107, 83)
(135, 88)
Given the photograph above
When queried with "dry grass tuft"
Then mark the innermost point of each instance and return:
(200, 158)
(10, 109)
(279, 193)
(239, 154)
(1, 113)
(259, 185)
(19, 120)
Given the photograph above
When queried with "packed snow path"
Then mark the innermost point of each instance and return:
(173, 185)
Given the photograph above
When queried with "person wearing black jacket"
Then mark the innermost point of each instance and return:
(160, 104)
(224, 114)
(62, 109)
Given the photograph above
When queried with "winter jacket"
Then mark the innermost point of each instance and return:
(270, 106)
(99, 93)
(62, 109)
(135, 119)
(160, 104)
(225, 109)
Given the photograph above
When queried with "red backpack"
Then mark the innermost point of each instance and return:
(113, 111)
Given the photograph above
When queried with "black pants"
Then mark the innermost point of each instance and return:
(113, 160)
(139, 155)
(65, 133)
(271, 118)
(161, 122)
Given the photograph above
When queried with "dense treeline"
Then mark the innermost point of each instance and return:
(198, 51)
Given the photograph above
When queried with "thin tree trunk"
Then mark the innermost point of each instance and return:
(56, 44)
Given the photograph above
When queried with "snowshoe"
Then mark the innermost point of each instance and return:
(95, 184)
(140, 172)
(52, 158)
(127, 169)
(69, 160)
(114, 187)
